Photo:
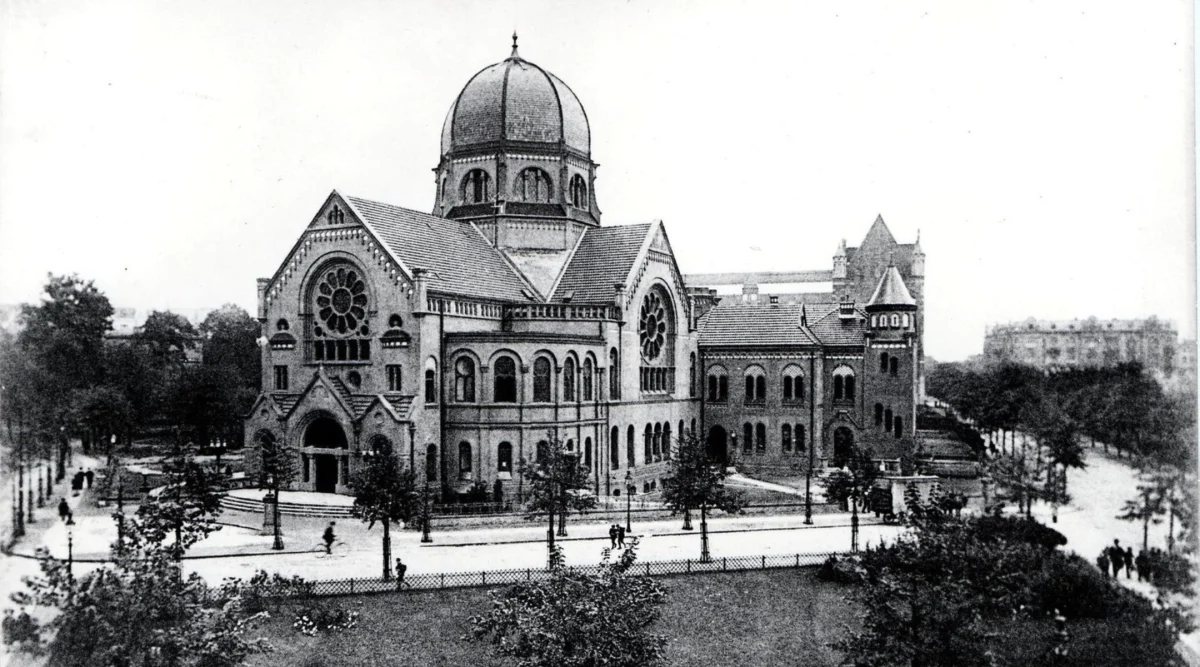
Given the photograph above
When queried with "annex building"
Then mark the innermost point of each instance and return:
(462, 337)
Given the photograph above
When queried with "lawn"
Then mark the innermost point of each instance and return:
(779, 617)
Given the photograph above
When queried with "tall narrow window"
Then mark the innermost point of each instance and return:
(887, 419)
(533, 185)
(281, 378)
(464, 380)
(430, 387)
(541, 380)
(785, 437)
(579, 196)
(849, 387)
(587, 452)
(569, 380)
(657, 442)
(666, 441)
(839, 388)
(756, 385)
(747, 437)
(894, 365)
(899, 427)
(800, 438)
(843, 383)
(431, 463)
(587, 379)
(648, 446)
(692, 375)
(477, 187)
(630, 435)
(464, 460)
(883, 362)
(504, 456)
(504, 384)
(614, 375)
(614, 449)
(543, 451)
(787, 388)
(760, 442)
(393, 377)
(878, 414)
(760, 388)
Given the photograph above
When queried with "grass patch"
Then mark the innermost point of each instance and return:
(778, 617)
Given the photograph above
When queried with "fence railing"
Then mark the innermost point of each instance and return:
(448, 580)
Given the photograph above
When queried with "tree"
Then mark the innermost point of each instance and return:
(557, 481)
(578, 619)
(169, 336)
(1146, 507)
(209, 402)
(697, 482)
(186, 507)
(385, 493)
(852, 484)
(103, 412)
(277, 469)
(231, 341)
(65, 333)
(138, 611)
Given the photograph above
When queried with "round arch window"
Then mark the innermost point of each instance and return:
(652, 325)
(342, 301)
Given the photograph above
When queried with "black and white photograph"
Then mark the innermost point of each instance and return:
(598, 334)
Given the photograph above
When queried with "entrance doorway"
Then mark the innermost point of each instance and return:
(716, 445)
(326, 473)
(843, 446)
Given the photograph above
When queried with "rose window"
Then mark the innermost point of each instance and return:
(342, 301)
(652, 327)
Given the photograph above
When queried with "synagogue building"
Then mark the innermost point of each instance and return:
(465, 338)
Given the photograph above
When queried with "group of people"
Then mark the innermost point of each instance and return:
(1116, 558)
(616, 533)
(82, 480)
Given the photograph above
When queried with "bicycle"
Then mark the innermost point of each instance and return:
(338, 548)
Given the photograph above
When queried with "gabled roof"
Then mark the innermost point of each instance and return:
(459, 258)
(891, 290)
(879, 235)
(753, 325)
(605, 257)
(830, 329)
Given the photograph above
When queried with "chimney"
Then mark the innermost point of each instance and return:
(421, 290)
(263, 285)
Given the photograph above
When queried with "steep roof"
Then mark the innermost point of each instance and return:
(878, 235)
(604, 258)
(891, 290)
(830, 329)
(754, 325)
(459, 258)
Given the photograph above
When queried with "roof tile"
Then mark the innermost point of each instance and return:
(604, 258)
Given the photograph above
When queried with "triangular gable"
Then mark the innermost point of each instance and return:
(387, 405)
(270, 403)
(314, 397)
(656, 241)
(879, 236)
(337, 215)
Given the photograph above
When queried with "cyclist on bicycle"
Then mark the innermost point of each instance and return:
(329, 537)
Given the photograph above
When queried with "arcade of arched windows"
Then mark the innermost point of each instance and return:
(888, 421)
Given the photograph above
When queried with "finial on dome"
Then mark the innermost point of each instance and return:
(514, 53)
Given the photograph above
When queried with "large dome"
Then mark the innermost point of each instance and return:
(516, 101)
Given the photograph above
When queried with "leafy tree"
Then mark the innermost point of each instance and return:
(231, 341)
(384, 493)
(209, 402)
(852, 483)
(186, 507)
(578, 619)
(277, 469)
(102, 411)
(136, 373)
(1146, 507)
(557, 481)
(65, 333)
(1017, 479)
(169, 336)
(138, 611)
(697, 482)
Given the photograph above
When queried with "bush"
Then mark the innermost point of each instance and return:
(312, 620)
(1015, 529)
(265, 592)
(847, 570)
(1074, 587)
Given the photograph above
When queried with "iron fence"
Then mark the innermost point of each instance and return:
(450, 580)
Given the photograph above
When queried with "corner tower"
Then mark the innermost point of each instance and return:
(516, 160)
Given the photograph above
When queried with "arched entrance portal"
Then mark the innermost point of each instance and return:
(843, 445)
(716, 444)
(325, 433)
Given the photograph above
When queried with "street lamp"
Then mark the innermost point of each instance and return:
(218, 445)
(120, 513)
(41, 501)
(425, 538)
(70, 542)
(628, 499)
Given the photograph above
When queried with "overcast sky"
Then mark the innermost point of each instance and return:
(173, 151)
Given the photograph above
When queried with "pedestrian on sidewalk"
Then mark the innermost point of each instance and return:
(1102, 562)
(621, 536)
(401, 568)
(1143, 566)
(63, 509)
(90, 476)
(77, 483)
(329, 537)
(1128, 562)
(612, 535)
(1117, 555)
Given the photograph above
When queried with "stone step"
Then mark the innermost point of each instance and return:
(255, 506)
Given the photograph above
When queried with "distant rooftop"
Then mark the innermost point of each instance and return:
(1089, 324)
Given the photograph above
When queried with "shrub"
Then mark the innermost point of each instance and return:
(1016, 529)
(847, 570)
(312, 620)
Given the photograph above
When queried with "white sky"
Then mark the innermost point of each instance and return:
(173, 151)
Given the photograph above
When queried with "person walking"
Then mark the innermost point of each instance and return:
(90, 477)
(63, 509)
(401, 568)
(1128, 562)
(1143, 566)
(612, 535)
(1102, 562)
(1117, 555)
(621, 536)
(329, 537)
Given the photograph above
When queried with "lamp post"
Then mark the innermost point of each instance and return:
(425, 538)
(628, 500)
(30, 518)
(120, 514)
(70, 543)
(218, 445)
(277, 545)
(60, 472)
(41, 500)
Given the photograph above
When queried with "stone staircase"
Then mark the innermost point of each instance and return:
(255, 506)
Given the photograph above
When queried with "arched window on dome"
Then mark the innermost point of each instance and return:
(477, 187)
(533, 185)
(579, 192)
